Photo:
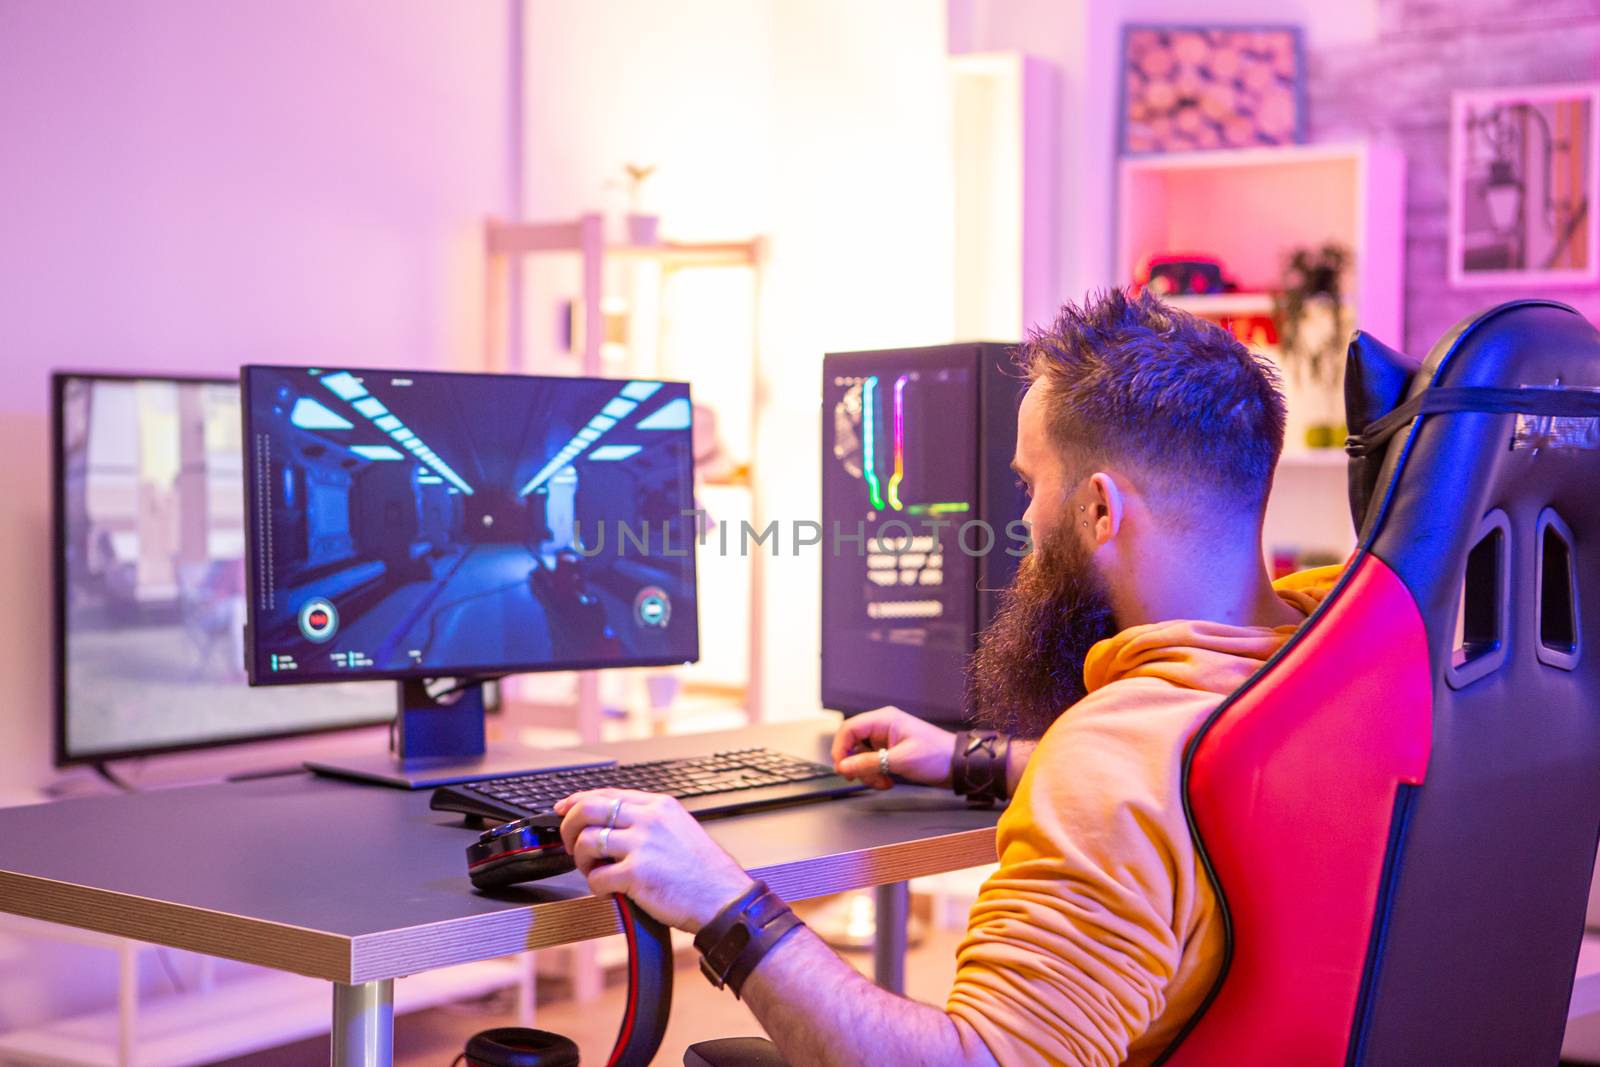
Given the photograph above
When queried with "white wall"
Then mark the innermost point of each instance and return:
(186, 185)
(191, 185)
(862, 257)
(683, 86)
(823, 125)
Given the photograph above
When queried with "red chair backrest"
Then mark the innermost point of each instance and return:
(1293, 789)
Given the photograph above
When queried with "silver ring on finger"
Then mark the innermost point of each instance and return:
(605, 843)
(883, 762)
(616, 809)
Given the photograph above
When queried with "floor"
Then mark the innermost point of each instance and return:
(433, 1038)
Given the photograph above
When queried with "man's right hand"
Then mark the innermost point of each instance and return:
(918, 751)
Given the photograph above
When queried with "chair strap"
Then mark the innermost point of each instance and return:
(1559, 402)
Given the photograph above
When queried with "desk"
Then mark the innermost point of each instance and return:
(359, 885)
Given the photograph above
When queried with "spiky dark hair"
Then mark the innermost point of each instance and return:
(1131, 379)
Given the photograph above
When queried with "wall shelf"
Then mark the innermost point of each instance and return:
(1249, 209)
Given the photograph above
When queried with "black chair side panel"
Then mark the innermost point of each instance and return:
(1488, 910)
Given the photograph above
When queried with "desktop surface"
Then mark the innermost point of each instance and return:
(352, 883)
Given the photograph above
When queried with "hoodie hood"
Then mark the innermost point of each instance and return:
(1211, 657)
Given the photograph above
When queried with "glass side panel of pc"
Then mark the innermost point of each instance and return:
(150, 599)
(414, 525)
(916, 452)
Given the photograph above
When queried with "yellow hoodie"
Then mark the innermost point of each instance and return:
(1099, 935)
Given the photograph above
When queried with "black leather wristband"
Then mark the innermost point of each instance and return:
(735, 942)
(770, 921)
(978, 766)
(709, 942)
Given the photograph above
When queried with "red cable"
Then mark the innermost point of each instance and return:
(626, 1032)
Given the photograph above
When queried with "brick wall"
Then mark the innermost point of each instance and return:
(1396, 90)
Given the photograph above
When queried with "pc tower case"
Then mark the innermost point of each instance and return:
(921, 520)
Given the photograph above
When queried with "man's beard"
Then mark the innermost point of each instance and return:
(1028, 668)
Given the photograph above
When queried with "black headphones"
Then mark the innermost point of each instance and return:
(530, 849)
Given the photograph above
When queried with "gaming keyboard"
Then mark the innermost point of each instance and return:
(726, 783)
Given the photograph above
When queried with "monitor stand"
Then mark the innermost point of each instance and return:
(439, 740)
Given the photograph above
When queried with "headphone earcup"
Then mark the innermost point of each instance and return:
(517, 1046)
(523, 850)
(514, 870)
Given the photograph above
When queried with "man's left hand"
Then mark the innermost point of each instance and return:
(656, 854)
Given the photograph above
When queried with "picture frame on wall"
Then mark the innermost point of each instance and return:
(1523, 170)
(1197, 87)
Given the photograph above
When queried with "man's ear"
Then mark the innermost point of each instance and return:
(1106, 507)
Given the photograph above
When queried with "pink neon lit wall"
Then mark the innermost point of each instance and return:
(185, 185)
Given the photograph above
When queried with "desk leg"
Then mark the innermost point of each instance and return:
(889, 939)
(127, 1003)
(363, 1024)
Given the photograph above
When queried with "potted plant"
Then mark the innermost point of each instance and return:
(1310, 311)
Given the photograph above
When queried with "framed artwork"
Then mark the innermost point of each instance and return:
(1196, 87)
(1522, 186)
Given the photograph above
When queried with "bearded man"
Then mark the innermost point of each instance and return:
(1147, 441)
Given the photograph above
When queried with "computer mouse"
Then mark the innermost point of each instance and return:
(524, 850)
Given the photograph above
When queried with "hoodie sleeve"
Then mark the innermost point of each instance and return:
(1097, 936)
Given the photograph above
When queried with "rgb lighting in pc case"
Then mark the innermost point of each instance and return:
(917, 448)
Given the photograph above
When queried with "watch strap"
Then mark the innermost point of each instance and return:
(978, 766)
(735, 942)
(716, 931)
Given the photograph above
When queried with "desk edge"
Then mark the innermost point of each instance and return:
(396, 953)
(314, 953)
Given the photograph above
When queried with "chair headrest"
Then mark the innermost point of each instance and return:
(1376, 379)
(1510, 374)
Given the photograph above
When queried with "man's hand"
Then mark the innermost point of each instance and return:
(918, 751)
(656, 854)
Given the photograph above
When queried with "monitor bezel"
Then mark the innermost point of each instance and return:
(58, 594)
(470, 672)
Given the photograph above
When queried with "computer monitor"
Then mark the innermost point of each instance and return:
(420, 525)
(917, 446)
(149, 577)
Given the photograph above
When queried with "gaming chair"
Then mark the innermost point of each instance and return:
(1400, 810)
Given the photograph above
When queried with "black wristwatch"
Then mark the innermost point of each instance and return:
(732, 944)
(978, 766)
